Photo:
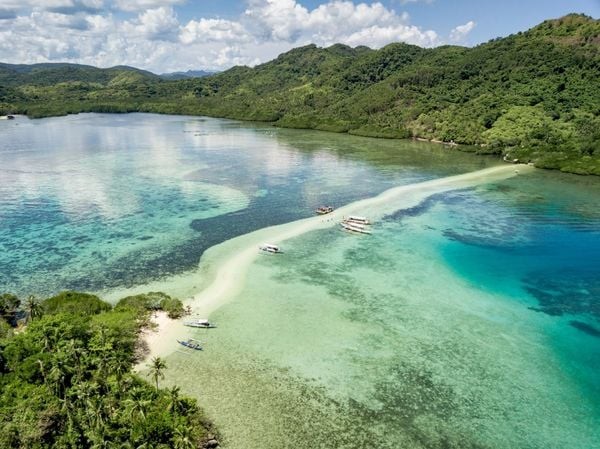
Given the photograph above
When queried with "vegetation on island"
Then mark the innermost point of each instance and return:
(66, 378)
(532, 96)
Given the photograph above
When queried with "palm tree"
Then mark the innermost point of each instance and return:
(175, 403)
(59, 373)
(137, 404)
(157, 365)
(33, 307)
(119, 365)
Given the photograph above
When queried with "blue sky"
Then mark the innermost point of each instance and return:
(493, 18)
(171, 35)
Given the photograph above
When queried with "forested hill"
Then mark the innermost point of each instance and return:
(532, 96)
(49, 74)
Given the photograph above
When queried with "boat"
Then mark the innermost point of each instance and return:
(191, 343)
(355, 227)
(270, 248)
(10, 117)
(201, 323)
(358, 220)
(323, 210)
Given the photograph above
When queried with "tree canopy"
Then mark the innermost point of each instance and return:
(66, 381)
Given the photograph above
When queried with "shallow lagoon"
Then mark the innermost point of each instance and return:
(143, 196)
(458, 323)
(470, 320)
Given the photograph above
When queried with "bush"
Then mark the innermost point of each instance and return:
(75, 303)
(152, 301)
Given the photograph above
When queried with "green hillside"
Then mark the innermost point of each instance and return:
(532, 96)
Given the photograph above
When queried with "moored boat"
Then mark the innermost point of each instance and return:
(358, 220)
(323, 210)
(201, 323)
(270, 248)
(190, 343)
(355, 227)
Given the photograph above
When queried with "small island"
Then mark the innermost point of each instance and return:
(67, 379)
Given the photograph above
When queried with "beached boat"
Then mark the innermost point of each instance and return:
(191, 343)
(201, 323)
(270, 248)
(323, 210)
(355, 227)
(357, 220)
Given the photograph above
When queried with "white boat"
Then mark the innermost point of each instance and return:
(270, 248)
(358, 220)
(200, 322)
(354, 227)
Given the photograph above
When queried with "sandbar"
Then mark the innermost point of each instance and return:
(224, 266)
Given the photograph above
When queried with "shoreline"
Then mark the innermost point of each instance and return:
(223, 267)
(414, 138)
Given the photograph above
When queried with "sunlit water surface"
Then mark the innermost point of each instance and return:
(469, 321)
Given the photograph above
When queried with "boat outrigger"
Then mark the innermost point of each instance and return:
(191, 343)
(323, 210)
(201, 323)
(358, 220)
(270, 248)
(355, 227)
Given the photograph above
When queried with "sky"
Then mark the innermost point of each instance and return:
(178, 35)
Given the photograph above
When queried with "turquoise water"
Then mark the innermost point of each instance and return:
(471, 320)
(98, 201)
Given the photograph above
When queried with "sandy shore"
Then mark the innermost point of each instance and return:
(225, 265)
(160, 339)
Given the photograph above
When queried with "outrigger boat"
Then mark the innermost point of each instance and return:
(201, 323)
(323, 210)
(270, 248)
(357, 220)
(191, 343)
(355, 227)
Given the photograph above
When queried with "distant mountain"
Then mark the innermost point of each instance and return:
(48, 74)
(532, 96)
(186, 75)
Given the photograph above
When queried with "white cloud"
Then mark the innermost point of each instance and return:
(140, 5)
(214, 30)
(154, 24)
(460, 33)
(149, 35)
(337, 21)
(59, 6)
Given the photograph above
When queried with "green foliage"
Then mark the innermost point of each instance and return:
(485, 96)
(5, 329)
(76, 303)
(157, 367)
(152, 301)
(173, 307)
(66, 382)
(9, 304)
